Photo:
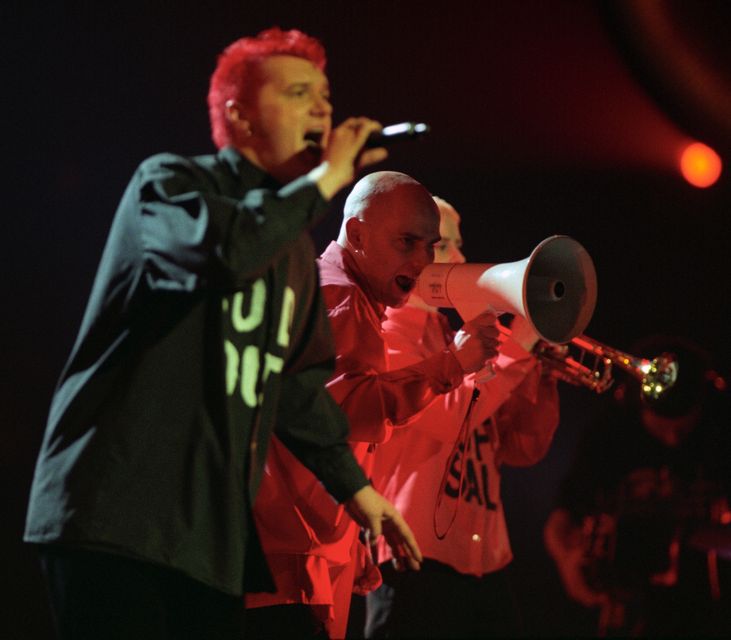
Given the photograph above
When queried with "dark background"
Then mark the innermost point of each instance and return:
(547, 117)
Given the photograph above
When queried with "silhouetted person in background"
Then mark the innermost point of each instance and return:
(641, 525)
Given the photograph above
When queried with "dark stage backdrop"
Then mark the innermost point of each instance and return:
(543, 119)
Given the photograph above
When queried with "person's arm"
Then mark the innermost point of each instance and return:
(325, 452)
(377, 516)
(344, 154)
(528, 420)
(523, 402)
(376, 400)
(443, 417)
(314, 429)
(194, 236)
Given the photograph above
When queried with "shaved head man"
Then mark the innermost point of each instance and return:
(390, 227)
(388, 235)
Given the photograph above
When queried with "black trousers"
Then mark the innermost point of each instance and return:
(439, 602)
(284, 621)
(101, 596)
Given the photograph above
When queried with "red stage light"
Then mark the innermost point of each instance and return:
(700, 165)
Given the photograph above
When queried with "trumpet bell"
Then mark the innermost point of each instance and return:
(658, 376)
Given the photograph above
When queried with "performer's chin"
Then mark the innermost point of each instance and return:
(301, 163)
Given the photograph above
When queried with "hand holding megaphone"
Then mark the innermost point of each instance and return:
(476, 342)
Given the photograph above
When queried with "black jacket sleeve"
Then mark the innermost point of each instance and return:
(321, 447)
(194, 236)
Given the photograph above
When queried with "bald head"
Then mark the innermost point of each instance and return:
(383, 193)
(390, 226)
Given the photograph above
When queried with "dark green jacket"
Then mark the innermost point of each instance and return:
(204, 332)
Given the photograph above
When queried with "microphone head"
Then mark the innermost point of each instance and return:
(396, 132)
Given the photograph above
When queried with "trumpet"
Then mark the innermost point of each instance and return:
(586, 362)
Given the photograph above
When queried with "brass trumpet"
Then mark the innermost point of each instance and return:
(585, 362)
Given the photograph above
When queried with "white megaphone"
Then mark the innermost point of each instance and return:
(554, 288)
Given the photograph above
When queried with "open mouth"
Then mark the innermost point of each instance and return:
(405, 283)
(313, 139)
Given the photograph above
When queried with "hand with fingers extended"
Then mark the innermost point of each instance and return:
(379, 517)
(343, 155)
(476, 342)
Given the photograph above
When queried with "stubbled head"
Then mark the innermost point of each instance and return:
(390, 227)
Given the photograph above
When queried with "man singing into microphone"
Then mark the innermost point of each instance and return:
(204, 333)
(389, 230)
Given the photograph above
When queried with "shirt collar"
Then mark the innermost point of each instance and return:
(342, 259)
(246, 170)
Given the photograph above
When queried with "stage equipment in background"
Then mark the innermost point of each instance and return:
(679, 53)
(700, 165)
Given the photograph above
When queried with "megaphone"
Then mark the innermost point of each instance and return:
(554, 288)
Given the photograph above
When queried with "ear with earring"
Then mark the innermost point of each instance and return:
(233, 114)
(354, 229)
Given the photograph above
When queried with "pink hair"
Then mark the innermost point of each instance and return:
(235, 75)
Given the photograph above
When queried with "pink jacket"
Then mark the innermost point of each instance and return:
(512, 422)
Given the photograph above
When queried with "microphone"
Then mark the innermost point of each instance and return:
(395, 133)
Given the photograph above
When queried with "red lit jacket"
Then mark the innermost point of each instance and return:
(420, 468)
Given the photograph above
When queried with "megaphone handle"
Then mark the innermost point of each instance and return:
(488, 371)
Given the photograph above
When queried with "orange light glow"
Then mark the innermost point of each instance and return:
(700, 165)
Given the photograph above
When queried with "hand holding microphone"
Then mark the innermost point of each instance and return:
(357, 143)
(376, 144)
(342, 155)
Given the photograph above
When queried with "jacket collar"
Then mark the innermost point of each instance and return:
(245, 170)
(340, 258)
